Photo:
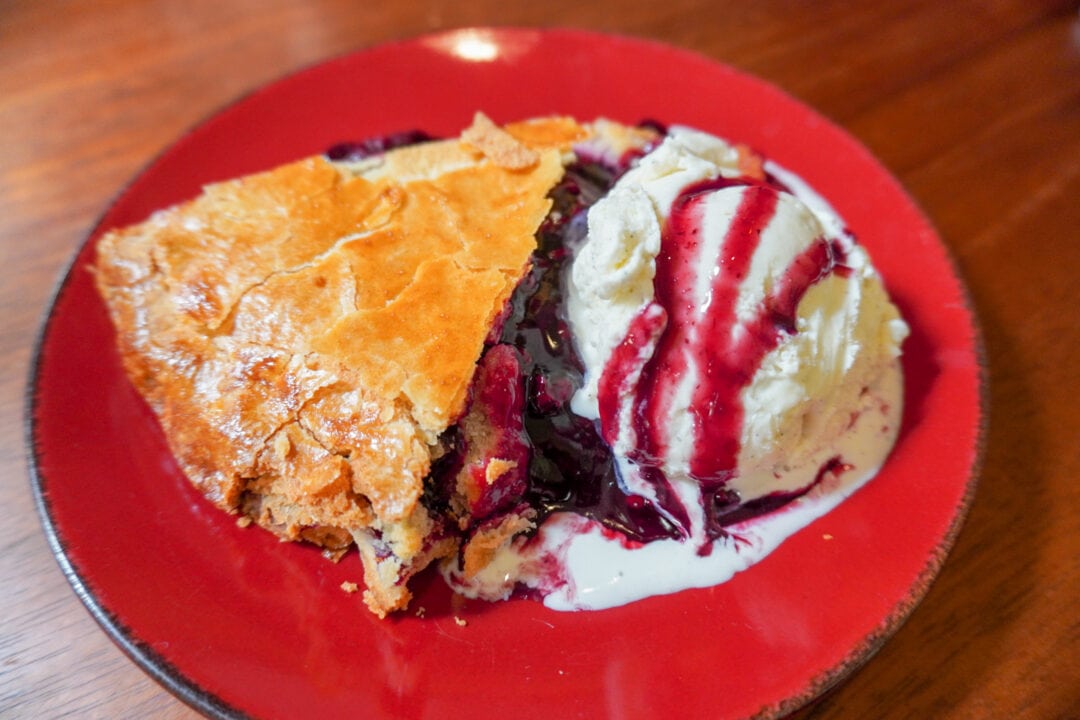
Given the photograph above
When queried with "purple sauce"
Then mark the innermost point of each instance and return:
(499, 390)
(726, 508)
(683, 334)
(571, 467)
(353, 151)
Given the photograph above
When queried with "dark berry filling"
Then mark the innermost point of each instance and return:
(353, 151)
(571, 468)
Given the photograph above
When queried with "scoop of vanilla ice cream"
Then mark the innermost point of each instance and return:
(807, 389)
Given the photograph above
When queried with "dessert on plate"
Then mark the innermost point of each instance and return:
(505, 350)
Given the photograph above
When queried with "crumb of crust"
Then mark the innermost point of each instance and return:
(243, 521)
(496, 468)
(420, 611)
(481, 548)
(750, 163)
(502, 147)
(349, 587)
(460, 622)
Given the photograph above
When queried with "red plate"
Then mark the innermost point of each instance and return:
(237, 624)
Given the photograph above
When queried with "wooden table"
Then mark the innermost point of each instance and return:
(975, 106)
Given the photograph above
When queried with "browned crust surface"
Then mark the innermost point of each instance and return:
(305, 334)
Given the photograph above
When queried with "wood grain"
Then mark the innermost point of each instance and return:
(975, 106)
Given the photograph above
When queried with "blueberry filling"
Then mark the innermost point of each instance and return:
(358, 150)
(571, 467)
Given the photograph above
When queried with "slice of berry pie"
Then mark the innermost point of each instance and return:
(312, 340)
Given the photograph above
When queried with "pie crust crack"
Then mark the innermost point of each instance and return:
(307, 335)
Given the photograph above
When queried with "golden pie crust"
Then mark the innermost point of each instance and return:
(305, 335)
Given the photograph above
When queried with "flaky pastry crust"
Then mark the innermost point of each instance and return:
(305, 335)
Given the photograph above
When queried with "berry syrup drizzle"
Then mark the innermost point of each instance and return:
(673, 334)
